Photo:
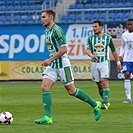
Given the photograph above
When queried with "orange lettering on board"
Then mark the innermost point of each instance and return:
(84, 50)
(72, 41)
(78, 48)
(71, 49)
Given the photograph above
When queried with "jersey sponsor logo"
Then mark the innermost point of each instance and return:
(99, 46)
(129, 43)
(52, 52)
(48, 44)
(99, 54)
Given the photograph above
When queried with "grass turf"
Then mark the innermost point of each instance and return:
(70, 115)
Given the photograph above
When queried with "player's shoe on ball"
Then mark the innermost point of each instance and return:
(44, 120)
(127, 101)
(97, 111)
(105, 106)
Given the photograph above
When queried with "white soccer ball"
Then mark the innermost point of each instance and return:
(6, 118)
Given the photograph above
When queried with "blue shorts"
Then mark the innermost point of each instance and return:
(127, 67)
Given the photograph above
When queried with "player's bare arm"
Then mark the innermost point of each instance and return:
(63, 50)
(115, 55)
(121, 58)
(93, 57)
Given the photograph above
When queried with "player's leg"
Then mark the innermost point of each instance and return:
(106, 92)
(127, 69)
(104, 69)
(68, 81)
(96, 78)
(100, 88)
(127, 86)
(49, 78)
(82, 95)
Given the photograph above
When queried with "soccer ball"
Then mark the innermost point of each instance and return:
(6, 118)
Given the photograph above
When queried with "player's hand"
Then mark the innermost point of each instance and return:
(94, 58)
(119, 67)
(120, 59)
(46, 62)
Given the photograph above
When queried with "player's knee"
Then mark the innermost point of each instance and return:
(44, 87)
(71, 89)
(104, 82)
(71, 93)
(100, 85)
(127, 76)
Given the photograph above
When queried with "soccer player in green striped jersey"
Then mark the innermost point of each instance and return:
(98, 49)
(58, 65)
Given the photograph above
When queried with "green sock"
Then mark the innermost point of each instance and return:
(82, 95)
(101, 93)
(106, 92)
(47, 102)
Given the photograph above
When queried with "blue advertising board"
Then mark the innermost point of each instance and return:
(27, 42)
(23, 43)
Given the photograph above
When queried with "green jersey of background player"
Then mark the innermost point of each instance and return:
(98, 49)
(58, 65)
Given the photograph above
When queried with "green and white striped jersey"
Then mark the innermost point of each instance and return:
(99, 46)
(55, 38)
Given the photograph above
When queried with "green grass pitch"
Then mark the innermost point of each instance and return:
(70, 115)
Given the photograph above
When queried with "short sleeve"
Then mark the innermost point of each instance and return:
(89, 44)
(60, 36)
(111, 45)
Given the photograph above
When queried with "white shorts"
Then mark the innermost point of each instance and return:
(100, 70)
(65, 74)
